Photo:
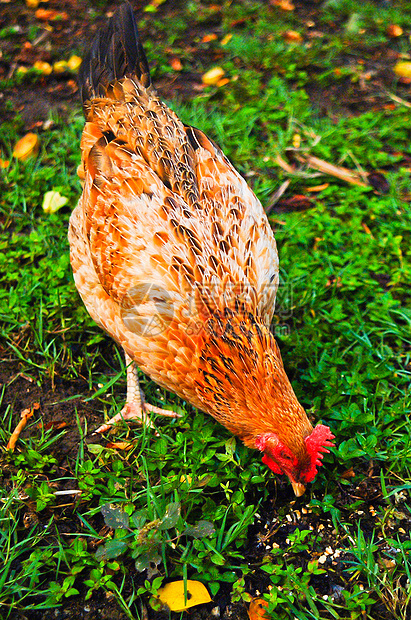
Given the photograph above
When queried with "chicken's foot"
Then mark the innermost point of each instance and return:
(136, 408)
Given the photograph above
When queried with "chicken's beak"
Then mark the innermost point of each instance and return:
(298, 488)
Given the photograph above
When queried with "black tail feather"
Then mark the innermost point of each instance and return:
(116, 52)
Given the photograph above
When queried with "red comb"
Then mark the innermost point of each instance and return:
(317, 443)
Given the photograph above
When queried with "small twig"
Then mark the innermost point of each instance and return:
(297, 173)
(42, 36)
(284, 165)
(25, 415)
(276, 196)
(399, 100)
(336, 171)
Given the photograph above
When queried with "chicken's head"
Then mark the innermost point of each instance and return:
(300, 469)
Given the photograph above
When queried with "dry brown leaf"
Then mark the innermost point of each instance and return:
(295, 203)
(387, 564)
(55, 424)
(120, 445)
(172, 595)
(292, 36)
(209, 37)
(46, 15)
(26, 147)
(349, 473)
(176, 64)
(257, 609)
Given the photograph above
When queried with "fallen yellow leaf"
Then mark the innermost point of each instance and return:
(209, 37)
(222, 82)
(53, 201)
(213, 76)
(60, 66)
(257, 609)
(74, 62)
(284, 5)
(186, 478)
(226, 39)
(296, 140)
(172, 595)
(153, 6)
(403, 69)
(394, 30)
(26, 146)
(44, 67)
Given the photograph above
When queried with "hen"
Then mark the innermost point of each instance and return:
(174, 257)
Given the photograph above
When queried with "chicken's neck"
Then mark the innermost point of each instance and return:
(242, 382)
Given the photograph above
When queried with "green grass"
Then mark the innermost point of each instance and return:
(186, 504)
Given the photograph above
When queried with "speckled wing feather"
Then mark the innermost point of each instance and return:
(165, 233)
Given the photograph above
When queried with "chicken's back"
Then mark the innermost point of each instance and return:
(166, 232)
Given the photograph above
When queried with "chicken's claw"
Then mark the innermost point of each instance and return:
(133, 411)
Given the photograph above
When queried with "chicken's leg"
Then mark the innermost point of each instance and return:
(135, 408)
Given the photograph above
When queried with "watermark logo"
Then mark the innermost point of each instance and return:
(148, 309)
